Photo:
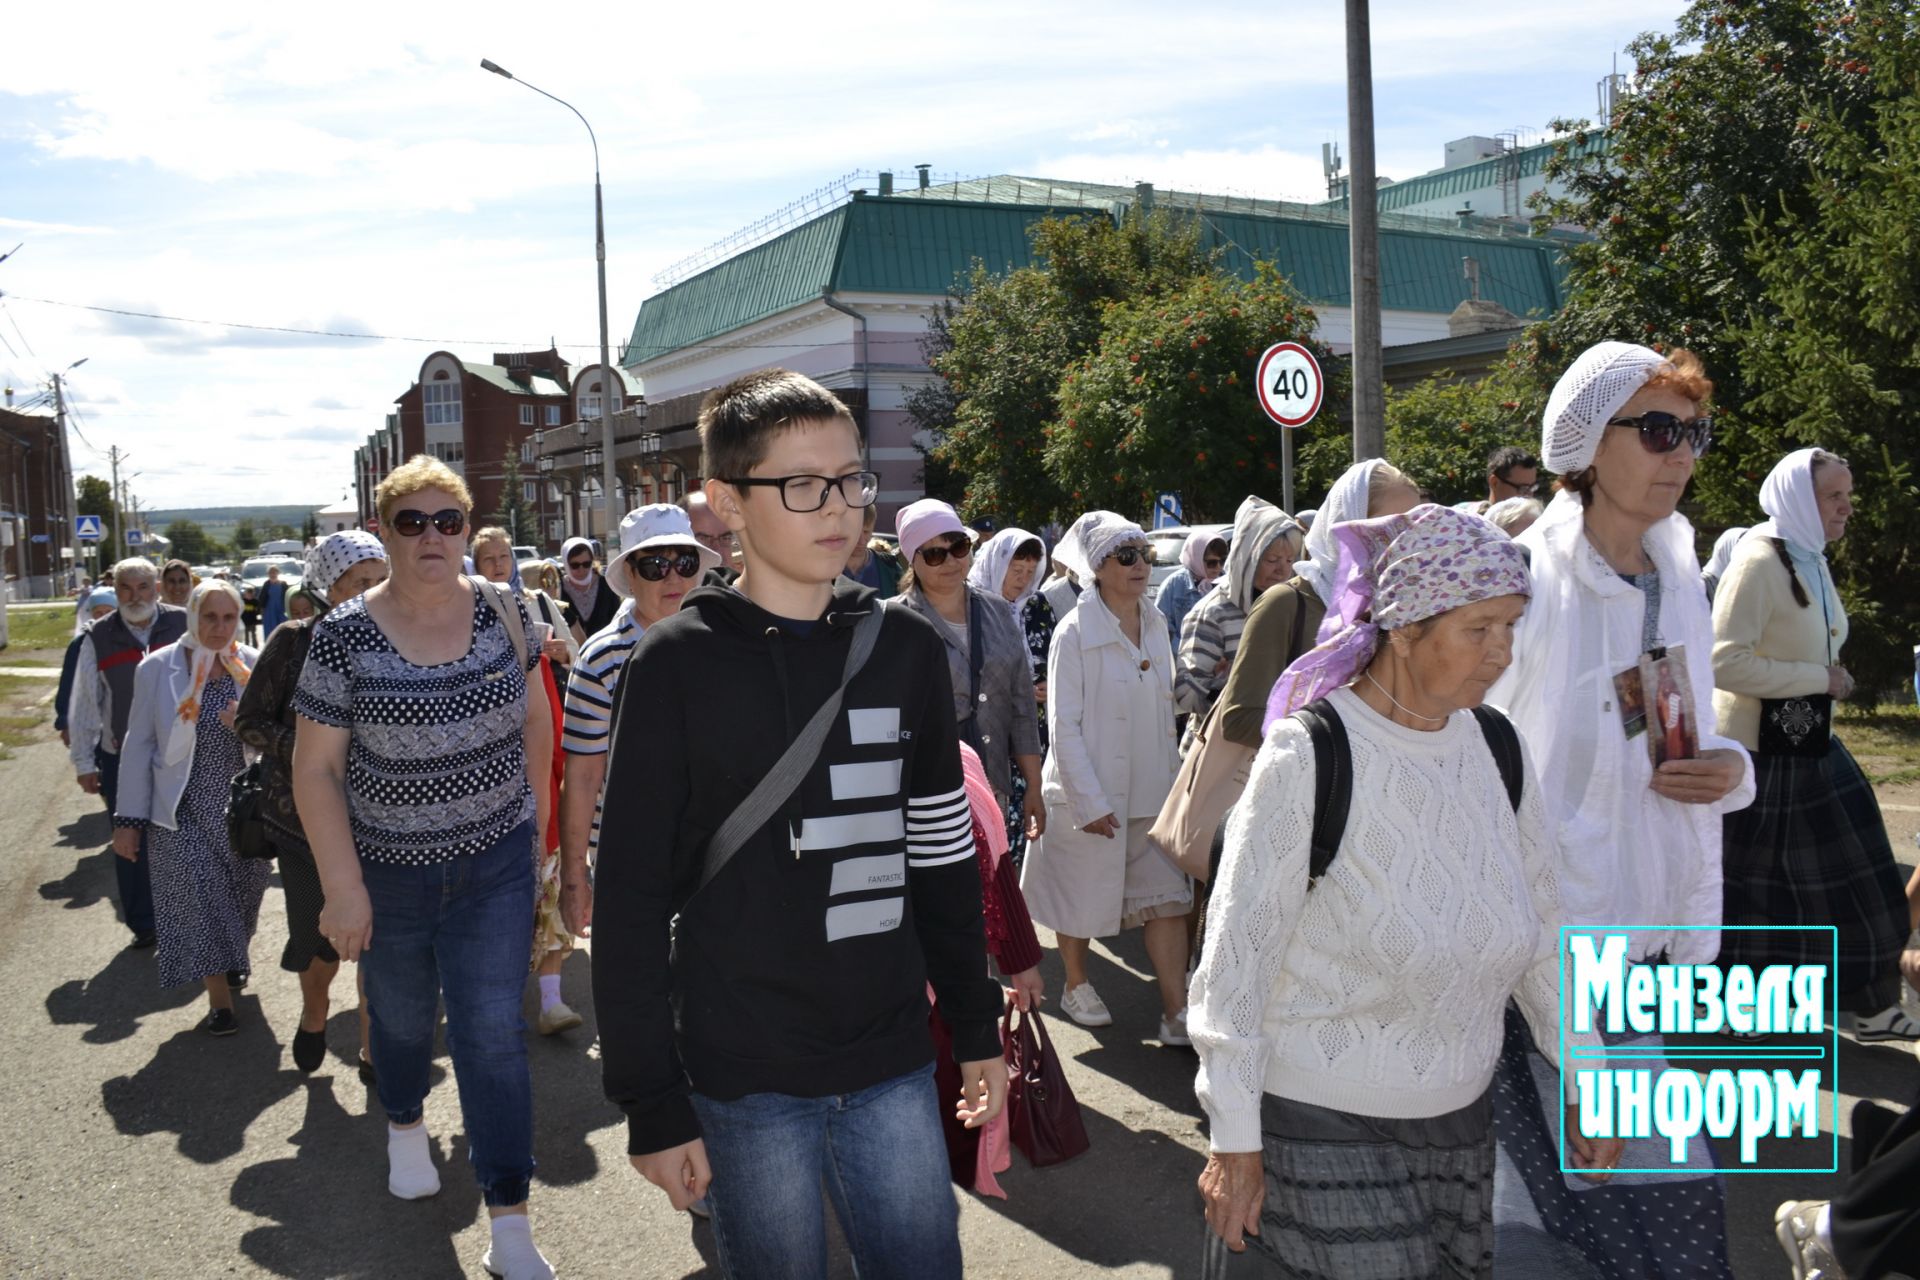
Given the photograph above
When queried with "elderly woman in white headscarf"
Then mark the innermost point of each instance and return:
(1110, 719)
(1616, 580)
(1008, 566)
(178, 758)
(1266, 542)
(1203, 558)
(1285, 621)
(338, 568)
(1811, 849)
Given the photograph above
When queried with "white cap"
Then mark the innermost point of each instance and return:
(658, 524)
(1588, 394)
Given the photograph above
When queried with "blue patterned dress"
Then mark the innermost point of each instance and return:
(206, 902)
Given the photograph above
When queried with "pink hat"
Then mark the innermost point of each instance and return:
(920, 522)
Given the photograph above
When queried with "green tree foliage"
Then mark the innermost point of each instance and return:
(1756, 205)
(190, 542)
(1165, 400)
(93, 496)
(245, 539)
(1441, 430)
(514, 515)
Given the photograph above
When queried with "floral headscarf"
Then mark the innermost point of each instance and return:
(1394, 571)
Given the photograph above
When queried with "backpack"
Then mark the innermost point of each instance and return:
(1333, 773)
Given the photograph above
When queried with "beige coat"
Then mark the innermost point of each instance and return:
(1764, 644)
(1111, 751)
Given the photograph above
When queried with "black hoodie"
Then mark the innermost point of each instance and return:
(803, 967)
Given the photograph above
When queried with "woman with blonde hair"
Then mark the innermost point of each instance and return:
(177, 761)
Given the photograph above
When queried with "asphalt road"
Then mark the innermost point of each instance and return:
(137, 1146)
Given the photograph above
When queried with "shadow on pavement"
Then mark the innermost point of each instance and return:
(112, 1003)
(330, 1210)
(568, 1103)
(206, 1090)
(92, 879)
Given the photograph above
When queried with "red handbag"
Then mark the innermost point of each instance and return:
(1043, 1116)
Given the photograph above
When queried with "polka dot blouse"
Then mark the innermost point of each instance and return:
(436, 767)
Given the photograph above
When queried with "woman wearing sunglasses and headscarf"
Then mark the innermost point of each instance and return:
(1812, 849)
(584, 589)
(420, 772)
(1113, 760)
(986, 653)
(1616, 581)
(661, 561)
(178, 758)
(337, 570)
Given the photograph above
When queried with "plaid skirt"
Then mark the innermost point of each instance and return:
(1811, 850)
(1353, 1197)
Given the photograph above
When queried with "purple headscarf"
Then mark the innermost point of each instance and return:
(1397, 570)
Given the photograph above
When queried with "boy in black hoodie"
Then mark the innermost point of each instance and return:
(771, 1028)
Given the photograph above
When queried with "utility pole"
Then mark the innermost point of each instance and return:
(1363, 228)
(113, 502)
(66, 466)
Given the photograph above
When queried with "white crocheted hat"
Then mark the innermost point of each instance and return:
(1601, 380)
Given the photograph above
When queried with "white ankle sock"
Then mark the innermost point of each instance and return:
(549, 991)
(410, 1171)
(513, 1254)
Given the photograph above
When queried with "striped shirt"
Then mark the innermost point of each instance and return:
(589, 699)
(1210, 635)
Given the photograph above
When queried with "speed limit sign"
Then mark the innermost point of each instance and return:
(1290, 384)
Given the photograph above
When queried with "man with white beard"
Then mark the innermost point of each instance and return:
(102, 697)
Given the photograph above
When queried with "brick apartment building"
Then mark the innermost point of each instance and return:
(469, 415)
(36, 505)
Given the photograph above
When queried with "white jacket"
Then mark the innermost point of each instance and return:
(150, 785)
(1631, 857)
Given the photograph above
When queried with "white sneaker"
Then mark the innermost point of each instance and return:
(557, 1018)
(1795, 1226)
(1083, 1005)
(1891, 1023)
(515, 1257)
(1173, 1031)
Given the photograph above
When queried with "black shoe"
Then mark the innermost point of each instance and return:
(366, 1070)
(143, 941)
(237, 979)
(309, 1049)
(221, 1022)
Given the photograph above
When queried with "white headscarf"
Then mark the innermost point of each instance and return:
(1787, 497)
(336, 554)
(995, 557)
(1347, 500)
(1094, 537)
(237, 661)
(1193, 553)
(1256, 525)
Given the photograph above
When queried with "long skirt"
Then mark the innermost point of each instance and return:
(1353, 1197)
(1811, 850)
(1548, 1223)
(206, 902)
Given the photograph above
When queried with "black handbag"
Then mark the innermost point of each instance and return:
(246, 827)
(1796, 726)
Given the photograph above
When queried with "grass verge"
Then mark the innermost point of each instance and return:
(29, 629)
(21, 712)
(1886, 741)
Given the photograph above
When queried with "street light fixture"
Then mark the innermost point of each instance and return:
(600, 259)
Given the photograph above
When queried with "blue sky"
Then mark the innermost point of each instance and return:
(360, 172)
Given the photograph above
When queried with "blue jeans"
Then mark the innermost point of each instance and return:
(462, 929)
(136, 890)
(883, 1160)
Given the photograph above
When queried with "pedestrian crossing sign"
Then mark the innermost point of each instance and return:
(87, 528)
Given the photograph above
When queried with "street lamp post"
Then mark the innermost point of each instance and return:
(600, 259)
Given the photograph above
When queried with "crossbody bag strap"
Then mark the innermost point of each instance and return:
(1299, 629)
(1332, 782)
(791, 769)
(1504, 742)
(976, 654)
(493, 592)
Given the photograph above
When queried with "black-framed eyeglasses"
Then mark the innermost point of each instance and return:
(1532, 487)
(1130, 556)
(451, 522)
(807, 493)
(935, 554)
(1662, 432)
(715, 541)
(655, 566)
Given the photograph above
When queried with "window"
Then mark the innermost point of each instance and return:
(553, 415)
(526, 447)
(615, 403)
(529, 491)
(526, 415)
(453, 454)
(442, 401)
(589, 408)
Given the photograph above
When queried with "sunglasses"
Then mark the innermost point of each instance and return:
(1521, 489)
(1130, 556)
(411, 524)
(1663, 432)
(936, 556)
(581, 564)
(1212, 562)
(658, 565)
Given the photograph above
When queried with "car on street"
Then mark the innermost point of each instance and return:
(253, 573)
(1166, 544)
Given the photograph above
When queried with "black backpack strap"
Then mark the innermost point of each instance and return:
(1504, 743)
(1332, 782)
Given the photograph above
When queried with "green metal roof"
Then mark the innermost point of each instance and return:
(921, 241)
(538, 385)
(1529, 162)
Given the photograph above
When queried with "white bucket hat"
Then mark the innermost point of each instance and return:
(659, 524)
(1604, 377)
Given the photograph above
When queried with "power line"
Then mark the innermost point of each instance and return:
(278, 328)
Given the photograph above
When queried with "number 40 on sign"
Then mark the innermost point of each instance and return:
(1290, 384)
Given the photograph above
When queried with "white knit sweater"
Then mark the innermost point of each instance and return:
(1381, 992)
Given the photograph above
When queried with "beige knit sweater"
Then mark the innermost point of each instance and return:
(1764, 644)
